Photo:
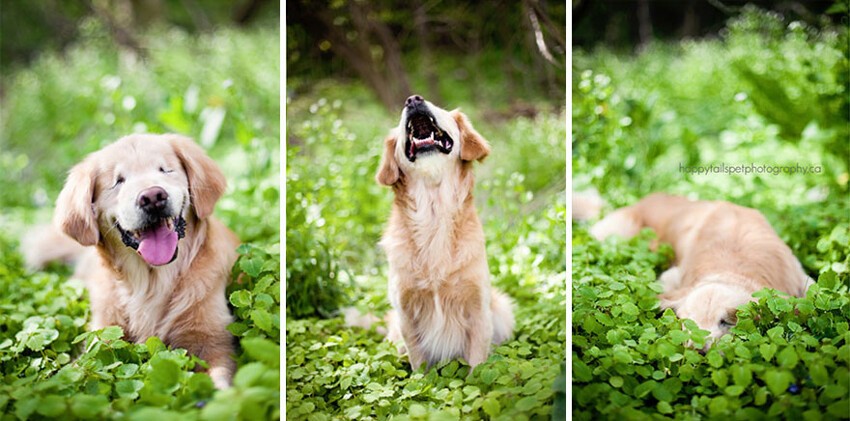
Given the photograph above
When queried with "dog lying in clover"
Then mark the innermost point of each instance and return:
(136, 217)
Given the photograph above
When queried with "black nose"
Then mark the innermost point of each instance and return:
(413, 101)
(152, 199)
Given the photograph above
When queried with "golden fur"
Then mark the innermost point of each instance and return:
(439, 282)
(182, 301)
(724, 253)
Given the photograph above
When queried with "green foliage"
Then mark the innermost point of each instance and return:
(255, 294)
(335, 213)
(629, 362)
(63, 107)
(769, 93)
(51, 366)
(690, 105)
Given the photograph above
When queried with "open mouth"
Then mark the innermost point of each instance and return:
(156, 242)
(424, 136)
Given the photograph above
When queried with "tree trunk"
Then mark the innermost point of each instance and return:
(644, 23)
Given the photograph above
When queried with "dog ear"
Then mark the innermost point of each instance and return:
(206, 182)
(74, 214)
(472, 145)
(388, 171)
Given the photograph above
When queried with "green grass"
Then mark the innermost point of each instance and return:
(65, 106)
(768, 93)
(336, 212)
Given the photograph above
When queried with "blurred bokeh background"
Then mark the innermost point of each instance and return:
(78, 75)
(624, 25)
(740, 84)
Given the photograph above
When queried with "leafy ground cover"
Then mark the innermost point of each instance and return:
(335, 214)
(221, 88)
(768, 92)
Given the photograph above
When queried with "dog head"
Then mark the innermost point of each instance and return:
(712, 305)
(138, 192)
(427, 141)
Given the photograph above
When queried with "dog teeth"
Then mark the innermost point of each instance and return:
(427, 140)
(169, 223)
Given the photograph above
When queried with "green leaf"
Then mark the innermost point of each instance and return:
(714, 358)
(251, 266)
(249, 374)
(787, 358)
(839, 409)
(240, 298)
(734, 390)
(491, 407)
(262, 350)
(88, 406)
(741, 375)
(417, 410)
(767, 351)
(720, 378)
(777, 381)
(126, 370)
(111, 333)
(581, 371)
(526, 404)
(164, 374)
(718, 405)
(262, 319)
(664, 408)
(51, 406)
(129, 388)
(818, 374)
(630, 309)
(616, 381)
(154, 345)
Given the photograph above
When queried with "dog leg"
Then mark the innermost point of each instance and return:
(213, 348)
(478, 345)
(671, 278)
(415, 353)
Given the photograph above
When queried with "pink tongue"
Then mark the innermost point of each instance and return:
(157, 246)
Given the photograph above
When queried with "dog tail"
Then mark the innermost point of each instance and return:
(623, 223)
(503, 316)
(586, 205)
(43, 244)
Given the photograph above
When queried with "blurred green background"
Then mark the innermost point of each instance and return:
(350, 66)
(115, 68)
(77, 75)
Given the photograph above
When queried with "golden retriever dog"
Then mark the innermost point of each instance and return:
(155, 262)
(724, 253)
(439, 282)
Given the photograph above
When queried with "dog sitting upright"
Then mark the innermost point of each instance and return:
(439, 282)
(724, 253)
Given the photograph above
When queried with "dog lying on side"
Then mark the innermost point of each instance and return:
(724, 253)
(154, 260)
(439, 282)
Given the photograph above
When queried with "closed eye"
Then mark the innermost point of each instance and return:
(118, 181)
(165, 170)
(726, 324)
